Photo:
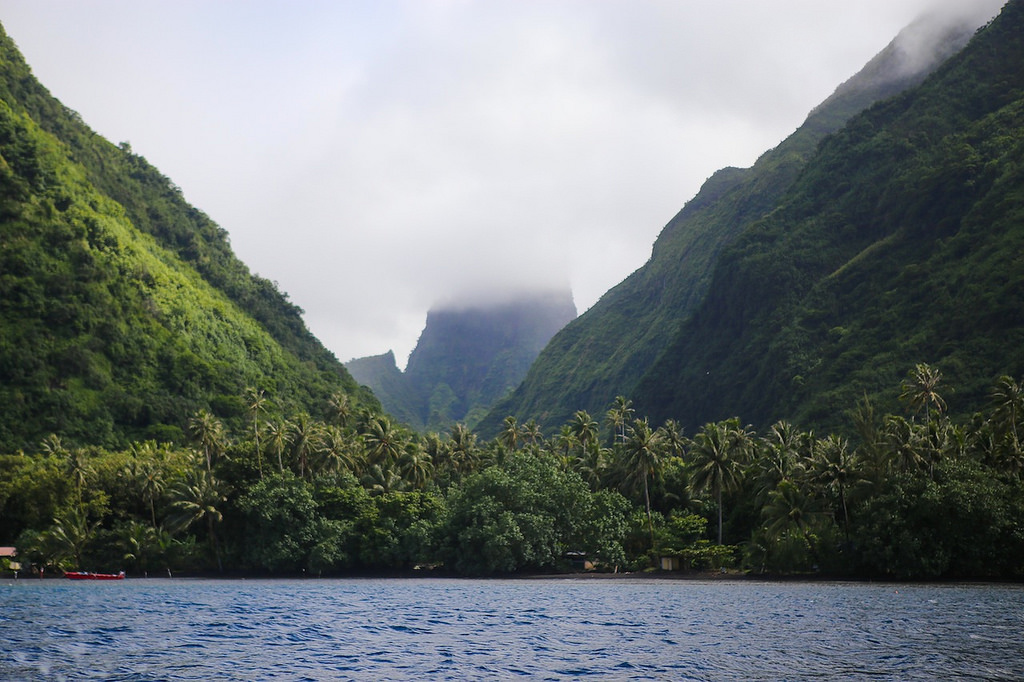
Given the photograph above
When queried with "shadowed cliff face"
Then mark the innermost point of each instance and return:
(467, 357)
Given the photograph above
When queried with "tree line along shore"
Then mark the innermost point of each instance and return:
(904, 496)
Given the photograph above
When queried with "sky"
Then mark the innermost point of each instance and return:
(377, 158)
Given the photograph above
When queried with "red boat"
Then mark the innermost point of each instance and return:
(85, 575)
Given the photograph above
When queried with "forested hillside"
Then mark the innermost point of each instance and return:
(896, 245)
(900, 242)
(123, 310)
(607, 349)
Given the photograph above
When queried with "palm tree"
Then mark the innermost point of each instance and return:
(905, 442)
(789, 509)
(462, 449)
(618, 417)
(140, 542)
(277, 441)
(415, 465)
(920, 389)
(872, 454)
(590, 464)
(944, 440)
(1007, 406)
(196, 498)
(304, 439)
(69, 535)
(208, 433)
(336, 451)
(644, 456)
(380, 480)
(672, 434)
(76, 463)
(384, 443)
(584, 428)
(436, 449)
(146, 475)
(835, 470)
(718, 455)
(564, 443)
(532, 433)
(341, 408)
(257, 402)
(53, 446)
(509, 434)
(781, 457)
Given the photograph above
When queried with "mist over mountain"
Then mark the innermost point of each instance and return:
(469, 355)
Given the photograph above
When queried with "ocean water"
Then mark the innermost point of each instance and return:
(544, 629)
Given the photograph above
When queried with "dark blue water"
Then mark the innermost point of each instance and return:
(617, 629)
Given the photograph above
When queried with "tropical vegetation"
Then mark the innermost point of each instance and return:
(912, 495)
(164, 410)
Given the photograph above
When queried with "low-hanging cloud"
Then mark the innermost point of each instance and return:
(925, 40)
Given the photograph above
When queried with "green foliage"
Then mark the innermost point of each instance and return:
(279, 520)
(525, 515)
(123, 309)
(605, 351)
(912, 499)
(961, 523)
(898, 241)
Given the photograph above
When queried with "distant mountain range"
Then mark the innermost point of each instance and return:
(884, 232)
(467, 358)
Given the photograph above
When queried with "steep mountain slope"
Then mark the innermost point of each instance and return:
(380, 374)
(466, 359)
(900, 243)
(608, 348)
(122, 308)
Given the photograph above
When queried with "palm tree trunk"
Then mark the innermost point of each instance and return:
(719, 515)
(846, 515)
(647, 501)
(213, 541)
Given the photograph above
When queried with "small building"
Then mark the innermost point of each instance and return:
(670, 563)
(7, 559)
(579, 561)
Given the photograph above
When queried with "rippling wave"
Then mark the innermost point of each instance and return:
(620, 629)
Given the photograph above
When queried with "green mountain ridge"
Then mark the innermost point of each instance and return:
(381, 375)
(608, 349)
(467, 357)
(122, 308)
(899, 243)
